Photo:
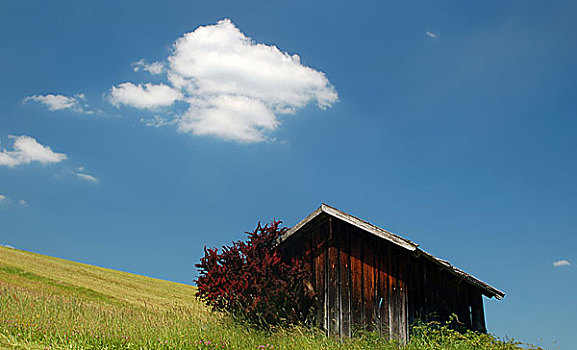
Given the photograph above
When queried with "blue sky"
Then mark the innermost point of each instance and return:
(450, 123)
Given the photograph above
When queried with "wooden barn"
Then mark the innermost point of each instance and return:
(368, 278)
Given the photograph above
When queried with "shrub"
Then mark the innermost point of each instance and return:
(251, 280)
(443, 336)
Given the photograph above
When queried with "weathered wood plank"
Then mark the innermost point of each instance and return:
(459, 307)
(478, 313)
(393, 326)
(356, 279)
(319, 258)
(409, 283)
(413, 290)
(368, 282)
(396, 294)
(466, 299)
(308, 261)
(333, 291)
(383, 295)
(403, 315)
(345, 277)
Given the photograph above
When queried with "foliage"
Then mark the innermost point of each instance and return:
(252, 281)
(438, 336)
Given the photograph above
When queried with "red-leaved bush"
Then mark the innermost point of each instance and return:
(250, 280)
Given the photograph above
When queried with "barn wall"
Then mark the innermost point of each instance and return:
(364, 282)
(435, 294)
(359, 279)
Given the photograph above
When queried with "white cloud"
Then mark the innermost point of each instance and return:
(22, 202)
(147, 96)
(2, 198)
(157, 121)
(234, 87)
(430, 34)
(236, 118)
(26, 150)
(53, 102)
(154, 68)
(7, 246)
(87, 177)
(561, 263)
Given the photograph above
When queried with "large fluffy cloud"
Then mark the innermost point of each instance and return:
(26, 150)
(234, 87)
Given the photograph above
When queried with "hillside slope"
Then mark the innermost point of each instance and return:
(51, 303)
(37, 272)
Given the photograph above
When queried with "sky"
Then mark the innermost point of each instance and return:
(134, 133)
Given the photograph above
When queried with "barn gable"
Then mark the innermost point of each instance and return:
(369, 278)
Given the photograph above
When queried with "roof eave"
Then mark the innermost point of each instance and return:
(487, 289)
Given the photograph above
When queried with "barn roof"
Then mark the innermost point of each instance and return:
(487, 289)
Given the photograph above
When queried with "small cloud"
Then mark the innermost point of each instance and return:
(430, 34)
(7, 246)
(22, 202)
(26, 150)
(2, 198)
(87, 177)
(154, 68)
(143, 96)
(57, 102)
(563, 262)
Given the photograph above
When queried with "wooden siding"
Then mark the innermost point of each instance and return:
(364, 282)
(435, 294)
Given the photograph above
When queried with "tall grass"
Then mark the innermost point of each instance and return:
(66, 306)
(35, 321)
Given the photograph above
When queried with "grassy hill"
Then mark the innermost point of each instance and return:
(39, 273)
(50, 303)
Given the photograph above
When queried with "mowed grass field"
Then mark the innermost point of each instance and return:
(50, 303)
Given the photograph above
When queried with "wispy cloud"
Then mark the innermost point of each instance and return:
(27, 150)
(5, 200)
(81, 174)
(430, 34)
(157, 121)
(227, 85)
(153, 68)
(57, 102)
(87, 177)
(563, 262)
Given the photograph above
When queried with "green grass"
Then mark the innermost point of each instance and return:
(49, 303)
